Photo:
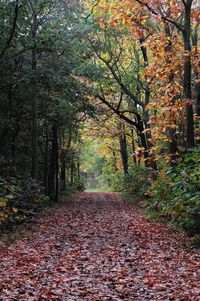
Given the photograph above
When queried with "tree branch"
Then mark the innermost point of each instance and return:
(122, 86)
(118, 113)
(92, 10)
(184, 3)
(154, 12)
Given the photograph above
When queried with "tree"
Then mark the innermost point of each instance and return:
(146, 21)
(42, 93)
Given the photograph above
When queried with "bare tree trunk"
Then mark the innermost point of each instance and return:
(146, 113)
(187, 75)
(63, 171)
(53, 174)
(133, 147)
(123, 151)
(72, 171)
(196, 73)
(173, 147)
(34, 102)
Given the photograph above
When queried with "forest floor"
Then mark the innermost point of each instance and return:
(96, 248)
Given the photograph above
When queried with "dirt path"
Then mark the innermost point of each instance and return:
(96, 248)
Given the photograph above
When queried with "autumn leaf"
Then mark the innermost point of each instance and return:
(3, 202)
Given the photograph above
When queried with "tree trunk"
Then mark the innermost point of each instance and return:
(63, 172)
(173, 146)
(197, 88)
(123, 150)
(78, 169)
(34, 102)
(143, 141)
(196, 73)
(133, 147)
(46, 154)
(187, 76)
(72, 171)
(114, 160)
(53, 174)
(146, 113)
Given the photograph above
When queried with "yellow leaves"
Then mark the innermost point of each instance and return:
(172, 126)
(15, 210)
(105, 57)
(3, 202)
(6, 211)
(143, 21)
(3, 215)
(127, 21)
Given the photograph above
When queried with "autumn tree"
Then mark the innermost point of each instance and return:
(159, 28)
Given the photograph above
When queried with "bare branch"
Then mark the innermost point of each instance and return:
(92, 10)
(120, 101)
(118, 113)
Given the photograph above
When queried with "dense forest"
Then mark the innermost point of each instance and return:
(99, 150)
(102, 95)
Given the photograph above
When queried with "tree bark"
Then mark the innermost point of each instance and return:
(173, 146)
(196, 73)
(53, 174)
(146, 113)
(63, 171)
(123, 151)
(133, 147)
(188, 76)
(34, 160)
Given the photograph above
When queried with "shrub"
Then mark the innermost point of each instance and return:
(20, 198)
(137, 182)
(176, 193)
(72, 188)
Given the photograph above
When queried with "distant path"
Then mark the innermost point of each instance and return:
(96, 248)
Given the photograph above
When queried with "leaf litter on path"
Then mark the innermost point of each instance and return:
(97, 248)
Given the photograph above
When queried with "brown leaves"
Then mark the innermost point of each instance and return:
(97, 248)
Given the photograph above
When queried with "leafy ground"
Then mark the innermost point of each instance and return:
(97, 248)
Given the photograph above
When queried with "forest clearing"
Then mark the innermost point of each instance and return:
(99, 150)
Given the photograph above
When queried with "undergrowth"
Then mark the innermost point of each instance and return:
(172, 195)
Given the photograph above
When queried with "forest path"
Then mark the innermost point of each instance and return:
(96, 248)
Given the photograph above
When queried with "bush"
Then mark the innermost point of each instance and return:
(137, 182)
(118, 181)
(176, 193)
(20, 198)
(72, 188)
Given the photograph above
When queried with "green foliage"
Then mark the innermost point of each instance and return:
(172, 194)
(73, 188)
(20, 198)
(136, 183)
(176, 193)
(118, 181)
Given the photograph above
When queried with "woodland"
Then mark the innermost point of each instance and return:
(103, 97)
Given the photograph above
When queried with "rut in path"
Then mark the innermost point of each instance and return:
(96, 248)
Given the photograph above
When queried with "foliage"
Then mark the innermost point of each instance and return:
(73, 188)
(43, 98)
(135, 184)
(19, 199)
(176, 193)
